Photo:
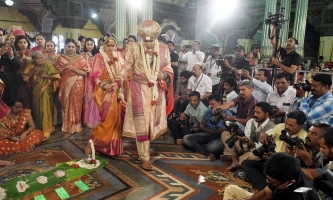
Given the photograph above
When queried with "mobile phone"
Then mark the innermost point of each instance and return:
(239, 71)
(7, 43)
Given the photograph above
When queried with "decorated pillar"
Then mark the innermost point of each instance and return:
(147, 9)
(300, 24)
(132, 21)
(120, 20)
(198, 22)
(285, 28)
(267, 49)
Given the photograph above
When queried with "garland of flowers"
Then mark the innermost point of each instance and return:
(151, 72)
(111, 70)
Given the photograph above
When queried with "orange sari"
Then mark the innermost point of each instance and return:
(107, 136)
(11, 127)
(71, 91)
(4, 110)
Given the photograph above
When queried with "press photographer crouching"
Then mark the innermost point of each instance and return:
(293, 127)
(242, 149)
(283, 177)
(206, 139)
(195, 111)
(320, 175)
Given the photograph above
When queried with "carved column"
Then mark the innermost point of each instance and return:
(285, 28)
(266, 47)
(147, 9)
(198, 22)
(120, 20)
(132, 21)
(300, 24)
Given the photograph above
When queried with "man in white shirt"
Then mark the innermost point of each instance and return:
(261, 87)
(282, 97)
(229, 87)
(182, 64)
(201, 83)
(209, 65)
(195, 56)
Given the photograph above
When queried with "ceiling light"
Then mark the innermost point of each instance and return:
(94, 15)
(9, 2)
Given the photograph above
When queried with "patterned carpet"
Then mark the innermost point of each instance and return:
(178, 173)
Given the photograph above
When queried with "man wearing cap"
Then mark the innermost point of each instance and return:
(212, 69)
(235, 68)
(289, 59)
(148, 106)
(195, 56)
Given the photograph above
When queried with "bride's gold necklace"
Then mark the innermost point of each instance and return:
(70, 55)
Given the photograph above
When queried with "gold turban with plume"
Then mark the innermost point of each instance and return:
(148, 29)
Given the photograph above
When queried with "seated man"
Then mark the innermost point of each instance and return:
(195, 109)
(229, 87)
(283, 176)
(245, 102)
(181, 92)
(326, 146)
(200, 82)
(282, 97)
(206, 140)
(294, 126)
(244, 145)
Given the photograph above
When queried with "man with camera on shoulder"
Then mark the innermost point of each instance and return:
(206, 139)
(212, 69)
(321, 176)
(289, 132)
(243, 146)
(195, 110)
(318, 105)
(235, 68)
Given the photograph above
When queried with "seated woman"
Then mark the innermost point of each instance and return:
(17, 130)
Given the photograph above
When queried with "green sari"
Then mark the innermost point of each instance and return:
(43, 95)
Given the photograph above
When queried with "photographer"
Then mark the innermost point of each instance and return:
(244, 145)
(318, 105)
(194, 56)
(206, 140)
(326, 146)
(261, 87)
(229, 87)
(245, 102)
(213, 70)
(240, 63)
(181, 126)
(294, 127)
(289, 59)
(181, 92)
(9, 64)
(282, 176)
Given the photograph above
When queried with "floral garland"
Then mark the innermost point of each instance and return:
(111, 70)
(151, 72)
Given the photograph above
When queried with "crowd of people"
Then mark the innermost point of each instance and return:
(212, 106)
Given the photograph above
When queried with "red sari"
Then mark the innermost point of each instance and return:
(15, 127)
(72, 91)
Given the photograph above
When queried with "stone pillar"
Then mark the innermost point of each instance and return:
(132, 21)
(120, 20)
(285, 28)
(267, 49)
(198, 22)
(147, 9)
(300, 24)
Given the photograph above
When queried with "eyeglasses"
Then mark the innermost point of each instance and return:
(149, 40)
(238, 50)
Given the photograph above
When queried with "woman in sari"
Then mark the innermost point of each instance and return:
(73, 69)
(41, 76)
(107, 136)
(17, 130)
(22, 46)
(91, 113)
(40, 41)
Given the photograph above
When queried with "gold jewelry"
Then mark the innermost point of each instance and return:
(70, 55)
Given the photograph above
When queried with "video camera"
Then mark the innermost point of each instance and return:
(265, 148)
(292, 141)
(220, 60)
(194, 124)
(305, 86)
(183, 122)
(277, 19)
(220, 114)
(236, 131)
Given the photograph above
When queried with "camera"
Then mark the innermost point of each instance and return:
(265, 148)
(305, 86)
(274, 108)
(195, 124)
(220, 114)
(208, 53)
(234, 128)
(296, 141)
(183, 122)
(220, 60)
(276, 19)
